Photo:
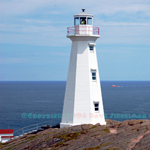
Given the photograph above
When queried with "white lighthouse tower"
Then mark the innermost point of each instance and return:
(83, 98)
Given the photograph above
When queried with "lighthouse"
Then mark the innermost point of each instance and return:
(83, 98)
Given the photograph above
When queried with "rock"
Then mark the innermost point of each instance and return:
(39, 130)
(56, 126)
(45, 127)
(126, 135)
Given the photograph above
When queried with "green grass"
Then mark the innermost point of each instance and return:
(93, 127)
(33, 137)
(97, 147)
(51, 133)
(107, 130)
(11, 147)
(67, 137)
(1, 145)
(146, 129)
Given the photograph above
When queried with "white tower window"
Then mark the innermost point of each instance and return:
(89, 21)
(96, 106)
(76, 21)
(82, 20)
(91, 48)
(93, 75)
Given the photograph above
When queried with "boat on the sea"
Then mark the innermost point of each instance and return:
(115, 85)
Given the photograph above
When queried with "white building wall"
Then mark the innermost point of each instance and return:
(81, 91)
(4, 140)
(68, 108)
(95, 89)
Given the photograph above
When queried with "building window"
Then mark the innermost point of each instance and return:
(96, 106)
(83, 20)
(76, 21)
(91, 47)
(94, 75)
(89, 21)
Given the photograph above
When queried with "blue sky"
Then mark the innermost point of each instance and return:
(33, 43)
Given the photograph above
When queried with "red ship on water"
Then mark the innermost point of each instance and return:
(115, 86)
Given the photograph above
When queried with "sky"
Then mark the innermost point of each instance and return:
(34, 46)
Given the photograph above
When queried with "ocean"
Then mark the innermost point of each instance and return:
(24, 103)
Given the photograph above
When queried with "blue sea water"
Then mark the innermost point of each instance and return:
(26, 103)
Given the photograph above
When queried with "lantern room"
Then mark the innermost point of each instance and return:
(83, 25)
(83, 18)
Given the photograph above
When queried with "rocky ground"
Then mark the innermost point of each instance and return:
(127, 135)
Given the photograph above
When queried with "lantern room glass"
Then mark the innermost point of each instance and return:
(76, 21)
(83, 21)
(89, 21)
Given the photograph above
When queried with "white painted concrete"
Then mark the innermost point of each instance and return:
(84, 29)
(81, 90)
(3, 140)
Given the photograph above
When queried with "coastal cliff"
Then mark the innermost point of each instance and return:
(126, 135)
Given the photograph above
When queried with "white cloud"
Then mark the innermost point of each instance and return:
(53, 12)
(36, 35)
(127, 6)
(60, 54)
(52, 30)
(37, 21)
(30, 28)
(12, 60)
(125, 24)
(17, 7)
(13, 7)
(133, 35)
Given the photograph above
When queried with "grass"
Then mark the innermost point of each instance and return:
(93, 127)
(146, 129)
(141, 121)
(9, 148)
(1, 145)
(67, 137)
(51, 132)
(33, 137)
(97, 147)
(107, 130)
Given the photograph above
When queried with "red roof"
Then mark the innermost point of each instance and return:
(7, 137)
(6, 131)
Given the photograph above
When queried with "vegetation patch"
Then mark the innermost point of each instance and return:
(69, 136)
(33, 137)
(51, 132)
(112, 148)
(1, 145)
(146, 129)
(97, 147)
(66, 137)
(11, 147)
(93, 127)
(107, 130)
(141, 121)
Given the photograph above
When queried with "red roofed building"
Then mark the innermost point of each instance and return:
(6, 135)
